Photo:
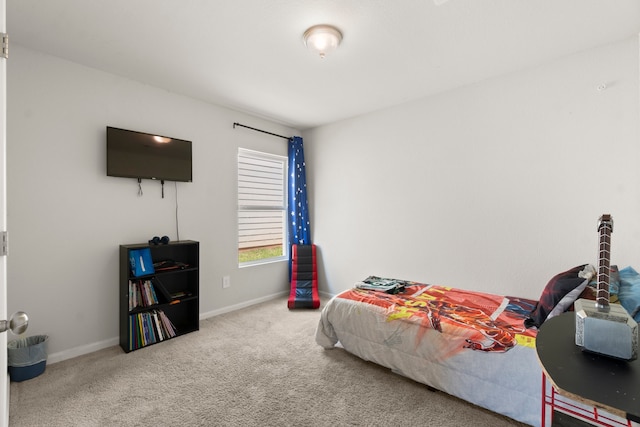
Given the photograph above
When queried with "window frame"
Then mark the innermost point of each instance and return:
(263, 206)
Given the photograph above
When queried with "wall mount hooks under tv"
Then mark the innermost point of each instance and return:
(140, 155)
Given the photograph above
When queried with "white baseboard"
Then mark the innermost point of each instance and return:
(244, 304)
(82, 350)
(327, 295)
(101, 345)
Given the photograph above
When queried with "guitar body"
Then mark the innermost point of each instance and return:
(600, 327)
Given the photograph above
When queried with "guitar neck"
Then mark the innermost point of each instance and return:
(605, 227)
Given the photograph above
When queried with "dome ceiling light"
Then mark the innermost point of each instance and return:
(322, 39)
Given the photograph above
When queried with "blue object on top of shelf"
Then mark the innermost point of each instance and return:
(141, 263)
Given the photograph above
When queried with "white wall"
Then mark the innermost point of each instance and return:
(66, 218)
(496, 186)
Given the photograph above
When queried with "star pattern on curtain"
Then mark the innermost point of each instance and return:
(299, 224)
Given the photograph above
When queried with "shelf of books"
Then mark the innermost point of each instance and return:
(159, 293)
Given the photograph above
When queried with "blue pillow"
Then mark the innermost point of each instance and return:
(629, 292)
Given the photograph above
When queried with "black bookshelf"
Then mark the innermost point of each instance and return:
(170, 293)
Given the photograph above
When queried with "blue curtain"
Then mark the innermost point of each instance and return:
(299, 225)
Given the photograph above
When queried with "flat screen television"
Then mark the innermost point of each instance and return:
(133, 154)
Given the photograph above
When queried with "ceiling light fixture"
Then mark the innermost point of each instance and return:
(322, 39)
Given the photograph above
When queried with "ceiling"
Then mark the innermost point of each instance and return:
(248, 55)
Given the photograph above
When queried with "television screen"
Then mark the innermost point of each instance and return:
(141, 155)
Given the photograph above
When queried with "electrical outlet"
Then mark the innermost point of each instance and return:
(226, 282)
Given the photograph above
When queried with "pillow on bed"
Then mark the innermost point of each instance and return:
(561, 291)
(629, 292)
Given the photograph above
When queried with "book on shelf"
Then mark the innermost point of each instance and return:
(152, 290)
(167, 324)
(152, 329)
(145, 330)
(139, 331)
(142, 294)
(161, 288)
(156, 324)
(149, 327)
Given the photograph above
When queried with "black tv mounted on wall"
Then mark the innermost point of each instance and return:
(141, 155)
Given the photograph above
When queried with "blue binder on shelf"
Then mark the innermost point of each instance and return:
(141, 263)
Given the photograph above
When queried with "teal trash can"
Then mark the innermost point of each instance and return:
(27, 357)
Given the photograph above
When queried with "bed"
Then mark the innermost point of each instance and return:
(472, 345)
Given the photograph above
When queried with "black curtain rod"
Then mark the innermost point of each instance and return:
(260, 130)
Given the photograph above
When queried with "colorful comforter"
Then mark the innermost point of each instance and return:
(469, 344)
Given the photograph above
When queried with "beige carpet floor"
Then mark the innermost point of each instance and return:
(255, 367)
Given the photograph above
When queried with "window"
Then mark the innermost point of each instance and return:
(262, 206)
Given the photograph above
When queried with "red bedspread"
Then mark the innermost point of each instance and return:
(481, 321)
